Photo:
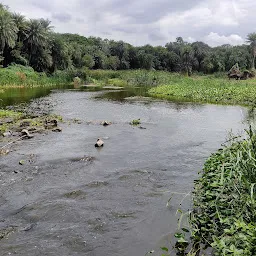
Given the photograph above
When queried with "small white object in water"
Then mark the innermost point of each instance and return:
(7, 134)
(26, 133)
(99, 143)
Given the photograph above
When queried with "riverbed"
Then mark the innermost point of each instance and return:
(69, 198)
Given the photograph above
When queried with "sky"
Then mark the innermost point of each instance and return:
(141, 22)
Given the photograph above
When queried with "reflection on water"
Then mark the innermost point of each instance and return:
(13, 96)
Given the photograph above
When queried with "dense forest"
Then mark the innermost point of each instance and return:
(34, 43)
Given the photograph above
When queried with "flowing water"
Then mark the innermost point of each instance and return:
(70, 198)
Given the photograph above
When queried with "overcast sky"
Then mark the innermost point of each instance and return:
(139, 22)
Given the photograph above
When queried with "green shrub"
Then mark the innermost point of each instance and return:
(224, 200)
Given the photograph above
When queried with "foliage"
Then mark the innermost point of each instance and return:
(135, 122)
(18, 75)
(224, 200)
(77, 81)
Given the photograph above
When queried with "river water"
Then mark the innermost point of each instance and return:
(72, 199)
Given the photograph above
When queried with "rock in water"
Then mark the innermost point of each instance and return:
(106, 123)
(7, 134)
(51, 124)
(57, 129)
(26, 134)
(99, 143)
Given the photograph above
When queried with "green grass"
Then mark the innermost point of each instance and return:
(12, 116)
(224, 199)
(9, 114)
(208, 89)
(130, 77)
(20, 76)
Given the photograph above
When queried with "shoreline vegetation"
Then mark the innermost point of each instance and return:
(216, 89)
(224, 200)
(223, 219)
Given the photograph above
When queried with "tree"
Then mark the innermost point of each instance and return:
(60, 55)
(120, 50)
(8, 31)
(145, 60)
(37, 43)
(88, 61)
(187, 59)
(21, 24)
(200, 51)
(251, 38)
(112, 62)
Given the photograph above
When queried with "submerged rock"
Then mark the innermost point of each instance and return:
(99, 143)
(25, 124)
(57, 129)
(106, 123)
(7, 134)
(51, 124)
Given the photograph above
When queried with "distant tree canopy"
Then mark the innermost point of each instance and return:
(34, 43)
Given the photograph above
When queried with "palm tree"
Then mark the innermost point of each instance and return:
(8, 30)
(46, 25)
(251, 38)
(21, 24)
(187, 59)
(37, 37)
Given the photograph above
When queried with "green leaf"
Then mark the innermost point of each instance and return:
(165, 249)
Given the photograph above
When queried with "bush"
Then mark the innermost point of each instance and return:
(77, 81)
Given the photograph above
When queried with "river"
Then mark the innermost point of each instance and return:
(70, 198)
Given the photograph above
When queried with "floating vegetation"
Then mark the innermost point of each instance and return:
(135, 122)
(208, 89)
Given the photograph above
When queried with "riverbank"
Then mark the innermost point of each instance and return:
(208, 90)
(18, 76)
(176, 87)
(224, 206)
(214, 88)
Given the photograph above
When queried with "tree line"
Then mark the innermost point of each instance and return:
(34, 43)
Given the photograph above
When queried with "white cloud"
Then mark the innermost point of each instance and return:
(214, 39)
(147, 21)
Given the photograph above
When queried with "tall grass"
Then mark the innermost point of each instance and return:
(131, 77)
(20, 76)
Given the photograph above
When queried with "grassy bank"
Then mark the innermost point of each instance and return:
(21, 76)
(208, 89)
(224, 215)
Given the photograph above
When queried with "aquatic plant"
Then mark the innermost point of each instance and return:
(135, 122)
(208, 89)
